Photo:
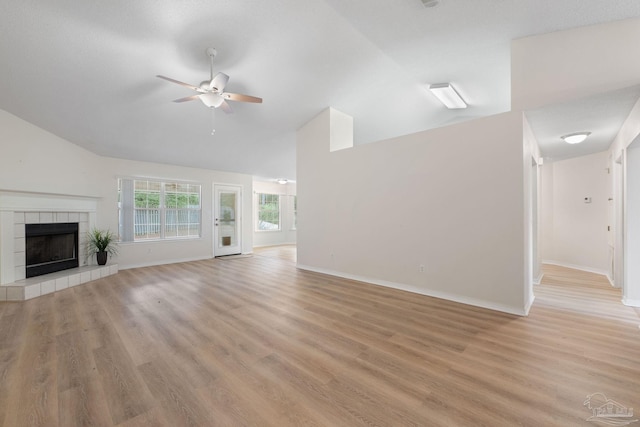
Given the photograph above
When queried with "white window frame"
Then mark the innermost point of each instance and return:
(257, 205)
(127, 210)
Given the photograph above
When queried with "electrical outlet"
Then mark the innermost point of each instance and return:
(421, 268)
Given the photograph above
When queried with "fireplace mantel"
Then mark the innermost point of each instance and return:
(31, 201)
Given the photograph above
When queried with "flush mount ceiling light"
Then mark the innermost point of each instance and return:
(575, 138)
(430, 3)
(447, 95)
(282, 181)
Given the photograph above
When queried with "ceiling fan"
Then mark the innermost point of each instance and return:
(211, 92)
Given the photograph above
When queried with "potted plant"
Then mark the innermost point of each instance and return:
(102, 243)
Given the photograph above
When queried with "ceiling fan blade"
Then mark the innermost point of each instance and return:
(226, 107)
(219, 81)
(241, 98)
(179, 82)
(187, 98)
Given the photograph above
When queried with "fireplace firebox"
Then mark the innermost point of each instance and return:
(51, 247)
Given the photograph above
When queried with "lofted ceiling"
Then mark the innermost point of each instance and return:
(85, 71)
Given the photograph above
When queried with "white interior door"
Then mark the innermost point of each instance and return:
(227, 233)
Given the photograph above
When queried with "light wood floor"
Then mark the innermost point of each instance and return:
(253, 341)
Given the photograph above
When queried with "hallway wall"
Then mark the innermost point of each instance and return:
(574, 230)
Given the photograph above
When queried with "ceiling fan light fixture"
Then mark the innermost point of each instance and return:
(576, 137)
(211, 100)
(446, 93)
(211, 92)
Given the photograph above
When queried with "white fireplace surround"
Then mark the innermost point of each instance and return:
(20, 208)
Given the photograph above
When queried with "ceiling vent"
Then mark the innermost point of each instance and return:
(430, 3)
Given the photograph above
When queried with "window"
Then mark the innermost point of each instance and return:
(268, 212)
(151, 210)
(146, 222)
(182, 210)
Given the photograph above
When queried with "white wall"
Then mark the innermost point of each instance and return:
(632, 242)
(579, 236)
(137, 254)
(33, 160)
(532, 190)
(448, 199)
(617, 153)
(544, 70)
(547, 208)
(628, 132)
(286, 234)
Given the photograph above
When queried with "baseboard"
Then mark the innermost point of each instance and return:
(538, 279)
(274, 245)
(427, 292)
(631, 302)
(163, 262)
(528, 306)
(577, 267)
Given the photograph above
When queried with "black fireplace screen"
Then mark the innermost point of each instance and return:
(51, 247)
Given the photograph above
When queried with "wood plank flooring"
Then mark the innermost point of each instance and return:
(255, 342)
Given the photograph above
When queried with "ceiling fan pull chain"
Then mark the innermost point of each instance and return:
(213, 121)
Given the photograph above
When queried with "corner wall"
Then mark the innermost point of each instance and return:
(438, 212)
(26, 166)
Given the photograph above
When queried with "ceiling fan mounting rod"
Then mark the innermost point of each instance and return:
(212, 54)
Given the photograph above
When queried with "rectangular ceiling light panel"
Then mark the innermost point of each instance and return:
(447, 95)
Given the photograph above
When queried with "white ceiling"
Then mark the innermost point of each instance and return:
(602, 115)
(85, 71)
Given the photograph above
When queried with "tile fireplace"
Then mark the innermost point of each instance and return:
(70, 217)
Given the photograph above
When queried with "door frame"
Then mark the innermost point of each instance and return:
(619, 195)
(239, 216)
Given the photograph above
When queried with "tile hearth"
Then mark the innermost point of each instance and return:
(33, 287)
